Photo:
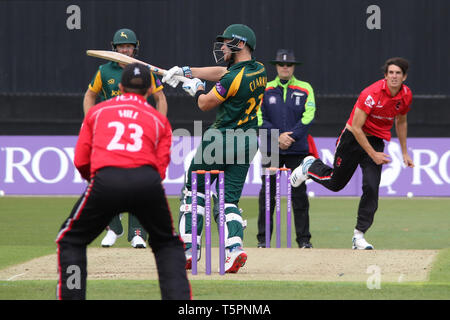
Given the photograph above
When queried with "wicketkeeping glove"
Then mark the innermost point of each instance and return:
(170, 78)
(191, 86)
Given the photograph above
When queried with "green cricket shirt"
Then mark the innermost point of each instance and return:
(241, 91)
(106, 81)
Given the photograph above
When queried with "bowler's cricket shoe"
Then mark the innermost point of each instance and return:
(361, 244)
(188, 255)
(300, 174)
(235, 259)
(305, 245)
(138, 243)
(110, 238)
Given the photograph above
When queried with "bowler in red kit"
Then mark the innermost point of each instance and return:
(123, 151)
(378, 107)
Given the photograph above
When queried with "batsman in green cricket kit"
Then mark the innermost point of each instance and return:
(105, 85)
(230, 143)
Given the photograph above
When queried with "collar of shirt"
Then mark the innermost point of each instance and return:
(285, 85)
(399, 94)
(291, 80)
(133, 96)
(240, 64)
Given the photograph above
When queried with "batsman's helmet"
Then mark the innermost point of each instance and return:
(123, 36)
(241, 32)
(236, 33)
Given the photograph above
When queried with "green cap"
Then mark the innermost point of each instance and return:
(241, 32)
(123, 36)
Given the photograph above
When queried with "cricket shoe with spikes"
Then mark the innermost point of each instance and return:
(138, 243)
(188, 255)
(110, 239)
(361, 244)
(235, 259)
(300, 174)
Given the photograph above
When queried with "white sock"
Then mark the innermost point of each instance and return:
(358, 234)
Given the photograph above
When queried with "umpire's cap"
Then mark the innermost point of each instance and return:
(285, 56)
(136, 76)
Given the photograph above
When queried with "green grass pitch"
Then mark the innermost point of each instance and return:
(29, 225)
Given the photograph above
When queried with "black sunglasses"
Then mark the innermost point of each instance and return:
(285, 64)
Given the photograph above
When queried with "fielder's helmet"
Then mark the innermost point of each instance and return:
(123, 36)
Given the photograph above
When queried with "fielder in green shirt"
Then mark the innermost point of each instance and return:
(105, 85)
(230, 143)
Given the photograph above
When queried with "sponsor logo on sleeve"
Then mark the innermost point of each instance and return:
(220, 89)
(369, 101)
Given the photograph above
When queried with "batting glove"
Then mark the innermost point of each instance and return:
(193, 85)
(170, 76)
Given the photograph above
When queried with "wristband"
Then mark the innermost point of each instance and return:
(197, 95)
(187, 72)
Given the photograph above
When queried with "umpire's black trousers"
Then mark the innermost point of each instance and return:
(113, 190)
(349, 154)
(300, 202)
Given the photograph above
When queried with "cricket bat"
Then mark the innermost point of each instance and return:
(124, 59)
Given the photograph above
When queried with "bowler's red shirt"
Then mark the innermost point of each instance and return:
(381, 108)
(124, 132)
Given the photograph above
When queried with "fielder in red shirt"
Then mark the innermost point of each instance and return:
(123, 150)
(379, 106)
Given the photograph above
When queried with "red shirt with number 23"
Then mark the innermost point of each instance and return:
(124, 132)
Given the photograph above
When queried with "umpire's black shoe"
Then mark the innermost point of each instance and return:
(261, 245)
(305, 245)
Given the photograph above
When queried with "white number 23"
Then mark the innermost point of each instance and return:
(136, 136)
